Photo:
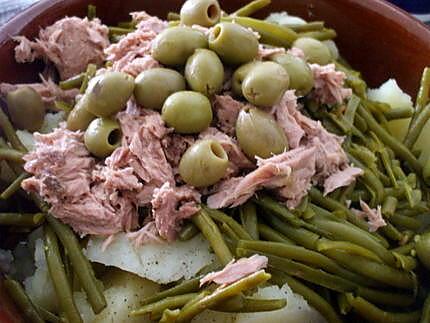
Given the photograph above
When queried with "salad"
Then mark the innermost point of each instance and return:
(211, 167)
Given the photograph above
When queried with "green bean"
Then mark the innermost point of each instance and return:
(91, 12)
(304, 272)
(188, 232)
(349, 248)
(81, 265)
(248, 217)
(22, 219)
(384, 297)
(305, 256)
(158, 307)
(423, 94)
(360, 123)
(229, 234)
(171, 16)
(11, 155)
(405, 222)
(301, 236)
(18, 295)
(391, 232)
(240, 304)
(425, 315)
(48, 316)
(399, 113)
(10, 133)
(377, 271)
(426, 171)
(221, 294)
(89, 73)
(354, 81)
(271, 34)
(251, 8)
(72, 83)
(404, 262)
(321, 35)
(405, 249)
(315, 300)
(14, 186)
(310, 26)
(374, 314)
(115, 31)
(389, 206)
(351, 109)
(224, 218)
(211, 232)
(63, 106)
(59, 278)
(267, 233)
(399, 149)
(417, 127)
(186, 287)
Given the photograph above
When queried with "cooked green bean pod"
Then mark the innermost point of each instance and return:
(14, 186)
(416, 128)
(9, 132)
(310, 26)
(347, 247)
(267, 233)
(188, 232)
(251, 8)
(423, 94)
(399, 113)
(406, 222)
(221, 217)
(248, 218)
(170, 302)
(22, 219)
(321, 35)
(72, 83)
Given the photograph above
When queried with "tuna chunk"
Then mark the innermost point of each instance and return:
(70, 43)
(328, 88)
(236, 270)
(138, 65)
(341, 178)
(373, 216)
(265, 52)
(48, 90)
(238, 160)
(148, 234)
(147, 22)
(226, 110)
(170, 206)
(295, 51)
(174, 146)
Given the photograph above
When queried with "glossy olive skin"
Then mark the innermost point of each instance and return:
(187, 112)
(265, 84)
(204, 72)
(233, 43)
(258, 134)
(301, 77)
(239, 75)
(108, 93)
(26, 108)
(200, 12)
(154, 86)
(204, 163)
(79, 118)
(422, 247)
(173, 46)
(315, 51)
(102, 137)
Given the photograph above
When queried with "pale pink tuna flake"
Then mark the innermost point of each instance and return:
(341, 178)
(236, 270)
(148, 234)
(373, 216)
(329, 84)
(170, 206)
(265, 52)
(174, 146)
(226, 111)
(297, 52)
(138, 65)
(70, 44)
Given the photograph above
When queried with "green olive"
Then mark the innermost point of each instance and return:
(108, 93)
(204, 72)
(301, 77)
(422, 247)
(187, 112)
(173, 46)
(102, 137)
(233, 43)
(153, 87)
(258, 134)
(200, 12)
(239, 75)
(79, 118)
(265, 84)
(203, 164)
(315, 51)
(26, 108)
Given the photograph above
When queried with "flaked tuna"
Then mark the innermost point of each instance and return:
(373, 216)
(341, 178)
(226, 111)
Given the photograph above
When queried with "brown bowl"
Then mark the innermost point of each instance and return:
(377, 38)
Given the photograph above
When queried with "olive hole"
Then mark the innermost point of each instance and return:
(215, 33)
(114, 137)
(212, 12)
(218, 151)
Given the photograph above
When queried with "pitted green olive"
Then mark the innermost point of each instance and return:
(26, 108)
(258, 134)
(240, 74)
(315, 51)
(108, 93)
(187, 112)
(79, 118)
(233, 43)
(422, 247)
(203, 164)
(153, 87)
(200, 12)
(173, 46)
(265, 84)
(301, 77)
(204, 72)
(102, 137)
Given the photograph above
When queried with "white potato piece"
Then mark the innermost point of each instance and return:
(297, 310)
(283, 18)
(162, 263)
